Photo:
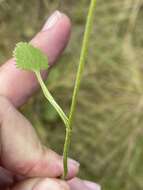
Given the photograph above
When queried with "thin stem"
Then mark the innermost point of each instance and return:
(84, 53)
(50, 98)
(83, 57)
(65, 152)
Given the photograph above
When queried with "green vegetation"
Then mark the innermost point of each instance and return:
(111, 98)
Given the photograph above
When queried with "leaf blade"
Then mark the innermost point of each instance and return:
(30, 58)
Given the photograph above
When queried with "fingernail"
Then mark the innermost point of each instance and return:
(73, 162)
(92, 186)
(53, 19)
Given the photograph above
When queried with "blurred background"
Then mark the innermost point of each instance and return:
(108, 128)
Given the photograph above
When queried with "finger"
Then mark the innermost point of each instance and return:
(18, 85)
(78, 184)
(21, 151)
(42, 184)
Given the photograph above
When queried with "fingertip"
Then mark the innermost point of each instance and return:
(55, 18)
(54, 36)
(73, 168)
(67, 22)
(92, 185)
(76, 184)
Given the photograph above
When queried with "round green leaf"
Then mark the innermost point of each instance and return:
(30, 58)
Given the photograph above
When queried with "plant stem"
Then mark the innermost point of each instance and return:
(83, 57)
(50, 98)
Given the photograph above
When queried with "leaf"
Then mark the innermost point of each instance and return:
(30, 58)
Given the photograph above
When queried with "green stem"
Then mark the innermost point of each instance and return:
(83, 57)
(66, 150)
(50, 98)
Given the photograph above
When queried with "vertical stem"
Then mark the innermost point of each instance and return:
(83, 57)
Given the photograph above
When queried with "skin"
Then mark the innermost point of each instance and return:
(25, 164)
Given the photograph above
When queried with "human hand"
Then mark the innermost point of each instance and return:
(21, 153)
